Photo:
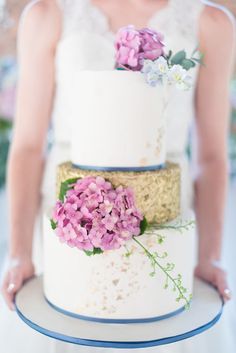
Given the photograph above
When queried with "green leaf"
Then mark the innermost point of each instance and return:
(188, 64)
(5, 125)
(93, 252)
(120, 69)
(127, 254)
(65, 186)
(143, 226)
(160, 239)
(53, 224)
(178, 58)
(88, 253)
(97, 251)
(63, 191)
(72, 181)
(152, 274)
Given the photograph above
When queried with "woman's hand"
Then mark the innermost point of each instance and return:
(212, 120)
(212, 273)
(19, 270)
(35, 93)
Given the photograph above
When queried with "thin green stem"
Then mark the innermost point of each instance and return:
(150, 255)
(174, 227)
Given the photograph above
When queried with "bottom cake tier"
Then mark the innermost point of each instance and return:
(124, 285)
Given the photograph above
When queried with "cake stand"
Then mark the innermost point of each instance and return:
(33, 309)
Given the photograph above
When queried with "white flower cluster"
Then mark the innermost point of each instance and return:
(159, 72)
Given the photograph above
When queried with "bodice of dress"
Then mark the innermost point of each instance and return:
(87, 43)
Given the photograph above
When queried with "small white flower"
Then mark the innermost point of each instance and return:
(147, 66)
(153, 78)
(156, 71)
(161, 65)
(176, 73)
(179, 76)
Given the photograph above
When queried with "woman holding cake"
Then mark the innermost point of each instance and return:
(79, 35)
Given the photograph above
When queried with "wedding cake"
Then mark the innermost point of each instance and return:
(116, 247)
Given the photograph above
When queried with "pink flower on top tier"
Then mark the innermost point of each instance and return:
(132, 46)
(151, 44)
(92, 215)
(127, 46)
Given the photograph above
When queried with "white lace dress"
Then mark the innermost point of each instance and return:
(87, 43)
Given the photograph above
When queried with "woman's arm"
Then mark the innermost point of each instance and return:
(38, 35)
(212, 116)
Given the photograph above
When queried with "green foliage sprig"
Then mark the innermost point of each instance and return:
(180, 58)
(179, 226)
(156, 258)
(167, 269)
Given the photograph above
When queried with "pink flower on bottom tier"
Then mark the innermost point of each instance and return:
(93, 214)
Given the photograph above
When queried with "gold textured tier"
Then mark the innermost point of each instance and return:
(157, 193)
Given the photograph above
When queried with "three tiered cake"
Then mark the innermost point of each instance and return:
(117, 248)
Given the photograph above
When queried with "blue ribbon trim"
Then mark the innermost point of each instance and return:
(120, 169)
(112, 344)
(115, 321)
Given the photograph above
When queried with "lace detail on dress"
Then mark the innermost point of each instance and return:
(186, 15)
(178, 15)
(81, 15)
(181, 20)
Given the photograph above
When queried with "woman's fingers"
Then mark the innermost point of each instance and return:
(12, 283)
(213, 273)
(19, 271)
(222, 285)
(5, 293)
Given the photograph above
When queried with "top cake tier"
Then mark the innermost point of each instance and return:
(119, 122)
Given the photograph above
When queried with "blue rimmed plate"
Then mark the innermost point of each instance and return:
(206, 309)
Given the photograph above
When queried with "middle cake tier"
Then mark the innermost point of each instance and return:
(157, 193)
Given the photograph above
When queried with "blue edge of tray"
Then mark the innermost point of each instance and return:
(112, 344)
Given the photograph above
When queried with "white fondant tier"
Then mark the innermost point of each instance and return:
(112, 285)
(119, 122)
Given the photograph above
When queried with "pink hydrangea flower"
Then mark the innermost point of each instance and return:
(152, 46)
(133, 46)
(127, 46)
(96, 215)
